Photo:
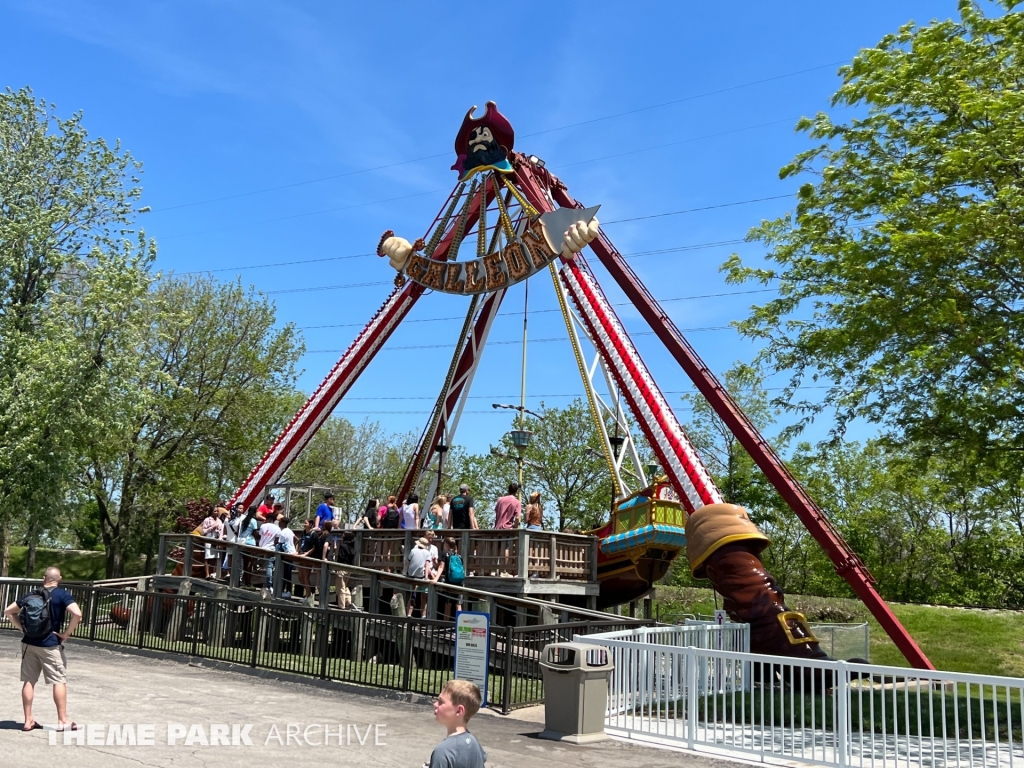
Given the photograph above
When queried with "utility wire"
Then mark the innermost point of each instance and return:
(544, 311)
(673, 249)
(521, 136)
(569, 394)
(517, 341)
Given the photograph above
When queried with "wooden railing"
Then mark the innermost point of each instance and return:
(648, 513)
(279, 573)
(484, 552)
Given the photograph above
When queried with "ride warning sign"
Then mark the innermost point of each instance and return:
(472, 649)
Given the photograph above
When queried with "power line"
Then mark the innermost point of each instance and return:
(279, 264)
(521, 136)
(515, 341)
(674, 249)
(694, 210)
(570, 394)
(330, 287)
(677, 143)
(543, 311)
(303, 214)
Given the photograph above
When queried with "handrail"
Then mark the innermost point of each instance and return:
(374, 576)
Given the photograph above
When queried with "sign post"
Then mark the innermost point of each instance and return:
(473, 648)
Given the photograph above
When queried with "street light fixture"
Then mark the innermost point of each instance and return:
(519, 408)
(617, 442)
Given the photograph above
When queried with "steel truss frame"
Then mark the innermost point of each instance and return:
(621, 364)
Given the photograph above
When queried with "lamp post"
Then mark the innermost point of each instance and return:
(520, 437)
(652, 472)
(521, 440)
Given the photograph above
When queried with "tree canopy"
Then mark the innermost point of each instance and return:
(901, 272)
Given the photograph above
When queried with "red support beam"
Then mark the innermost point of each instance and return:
(846, 562)
(300, 430)
(469, 357)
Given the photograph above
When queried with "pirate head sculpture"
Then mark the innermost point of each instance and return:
(483, 143)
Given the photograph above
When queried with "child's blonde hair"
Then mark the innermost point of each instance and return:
(465, 693)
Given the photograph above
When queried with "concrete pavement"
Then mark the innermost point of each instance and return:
(282, 720)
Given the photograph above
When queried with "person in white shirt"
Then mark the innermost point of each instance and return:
(411, 511)
(286, 546)
(417, 564)
(269, 535)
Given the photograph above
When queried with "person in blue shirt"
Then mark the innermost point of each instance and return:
(46, 654)
(324, 511)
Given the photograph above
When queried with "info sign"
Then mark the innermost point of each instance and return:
(472, 649)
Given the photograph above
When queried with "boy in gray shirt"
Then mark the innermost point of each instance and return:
(458, 701)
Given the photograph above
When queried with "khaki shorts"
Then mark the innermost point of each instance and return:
(50, 661)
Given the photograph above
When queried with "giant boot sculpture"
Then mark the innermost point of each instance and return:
(723, 545)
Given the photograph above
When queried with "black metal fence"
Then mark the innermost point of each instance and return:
(393, 652)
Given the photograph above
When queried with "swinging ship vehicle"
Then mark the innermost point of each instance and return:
(645, 533)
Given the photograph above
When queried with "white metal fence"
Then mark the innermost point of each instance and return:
(818, 712)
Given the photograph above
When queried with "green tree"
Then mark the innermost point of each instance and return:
(731, 467)
(564, 463)
(364, 456)
(71, 283)
(213, 387)
(901, 272)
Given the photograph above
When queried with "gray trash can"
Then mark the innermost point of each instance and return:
(575, 691)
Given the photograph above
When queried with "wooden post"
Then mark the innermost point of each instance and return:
(523, 561)
(186, 568)
(464, 551)
(374, 605)
(358, 625)
(179, 612)
(359, 548)
(431, 601)
(136, 618)
(278, 574)
(593, 557)
(235, 577)
(216, 619)
(553, 555)
(161, 558)
(325, 584)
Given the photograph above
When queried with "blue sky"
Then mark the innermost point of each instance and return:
(257, 123)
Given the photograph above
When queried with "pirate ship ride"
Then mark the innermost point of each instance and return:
(515, 219)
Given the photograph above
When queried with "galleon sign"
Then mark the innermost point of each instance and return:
(544, 238)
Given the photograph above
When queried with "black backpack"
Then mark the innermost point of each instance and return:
(392, 518)
(36, 619)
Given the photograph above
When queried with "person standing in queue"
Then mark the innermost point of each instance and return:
(325, 511)
(463, 514)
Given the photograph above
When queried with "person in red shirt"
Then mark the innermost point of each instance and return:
(266, 508)
(507, 511)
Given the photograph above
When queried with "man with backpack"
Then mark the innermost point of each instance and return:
(39, 616)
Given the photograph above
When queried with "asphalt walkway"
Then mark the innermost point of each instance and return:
(193, 714)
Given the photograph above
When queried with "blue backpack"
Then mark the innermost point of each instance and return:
(456, 570)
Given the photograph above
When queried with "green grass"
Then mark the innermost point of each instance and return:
(74, 564)
(954, 639)
(928, 713)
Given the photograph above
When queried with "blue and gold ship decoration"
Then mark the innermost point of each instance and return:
(645, 533)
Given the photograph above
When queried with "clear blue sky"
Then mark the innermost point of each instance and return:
(238, 109)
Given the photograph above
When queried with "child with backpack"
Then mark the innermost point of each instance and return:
(450, 570)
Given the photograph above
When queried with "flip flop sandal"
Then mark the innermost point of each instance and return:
(33, 727)
(68, 727)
